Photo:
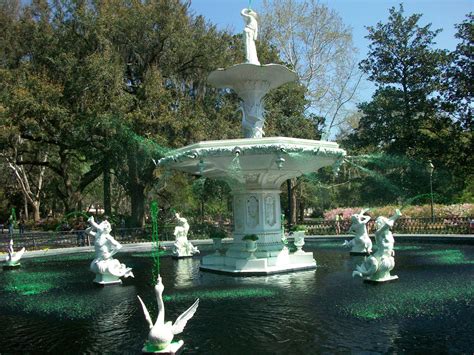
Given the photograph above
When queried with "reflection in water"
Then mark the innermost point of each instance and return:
(317, 311)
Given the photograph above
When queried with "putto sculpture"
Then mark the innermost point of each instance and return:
(107, 269)
(182, 247)
(12, 260)
(161, 334)
(376, 268)
(361, 243)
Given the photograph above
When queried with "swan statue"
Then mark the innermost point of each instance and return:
(361, 243)
(13, 259)
(377, 267)
(161, 334)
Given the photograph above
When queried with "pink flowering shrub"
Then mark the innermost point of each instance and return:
(424, 211)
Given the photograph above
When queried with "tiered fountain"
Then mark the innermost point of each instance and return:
(255, 167)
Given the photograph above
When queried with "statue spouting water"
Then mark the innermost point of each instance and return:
(162, 333)
(377, 267)
(361, 243)
(13, 258)
(182, 247)
(107, 269)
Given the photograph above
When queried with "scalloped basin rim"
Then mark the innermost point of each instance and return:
(275, 74)
(246, 145)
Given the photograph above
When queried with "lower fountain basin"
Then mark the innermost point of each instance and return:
(50, 305)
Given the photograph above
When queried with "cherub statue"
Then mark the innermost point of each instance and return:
(250, 35)
(182, 247)
(377, 267)
(107, 269)
(361, 243)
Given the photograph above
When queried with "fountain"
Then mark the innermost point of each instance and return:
(12, 260)
(263, 164)
(182, 247)
(361, 243)
(377, 267)
(108, 270)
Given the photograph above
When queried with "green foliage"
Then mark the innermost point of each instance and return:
(252, 237)
(298, 228)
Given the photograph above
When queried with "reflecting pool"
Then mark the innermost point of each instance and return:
(51, 305)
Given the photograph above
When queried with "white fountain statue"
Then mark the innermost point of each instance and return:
(376, 268)
(107, 269)
(161, 334)
(250, 35)
(263, 165)
(12, 260)
(361, 243)
(182, 247)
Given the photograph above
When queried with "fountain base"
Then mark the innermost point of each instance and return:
(379, 281)
(11, 267)
(106, 280)
(172, 349)
(283, 263)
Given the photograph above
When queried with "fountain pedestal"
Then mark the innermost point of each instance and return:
(255, 169)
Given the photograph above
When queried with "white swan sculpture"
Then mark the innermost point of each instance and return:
(12, 259)
(161, 334)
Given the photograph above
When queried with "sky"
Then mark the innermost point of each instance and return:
(357, 14)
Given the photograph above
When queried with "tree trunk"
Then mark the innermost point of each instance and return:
(36, 211)
(137, 193)
(107, 192)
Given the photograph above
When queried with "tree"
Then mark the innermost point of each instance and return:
(459, 85)
(313, 41)
(404, 117)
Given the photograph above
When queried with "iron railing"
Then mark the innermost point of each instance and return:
(65, 239)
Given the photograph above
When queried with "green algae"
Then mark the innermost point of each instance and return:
(32, 283)
(428, 299)
(228, 294)
(407, 247)
(63, 258)
(448, 257)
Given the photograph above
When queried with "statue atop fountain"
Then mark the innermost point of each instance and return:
(376, 268)
(182, 247)
(361, 243)
(161, 334)
(107, 269)
(250, 35)
(12, 260)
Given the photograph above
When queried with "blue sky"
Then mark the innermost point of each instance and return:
(357, 14)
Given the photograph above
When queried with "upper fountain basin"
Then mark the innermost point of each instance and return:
(263, 162)
(241, 76)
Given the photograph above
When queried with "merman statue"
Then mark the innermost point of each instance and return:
(107, 269)
(182, 247)
(376, 268)
(161, 334)
(12, 260)
(361, 243)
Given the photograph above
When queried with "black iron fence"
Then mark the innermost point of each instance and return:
(403, 226)
(59, 239)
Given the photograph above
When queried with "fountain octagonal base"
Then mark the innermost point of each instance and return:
(11, 267)
(378, 282)
(284, 263)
